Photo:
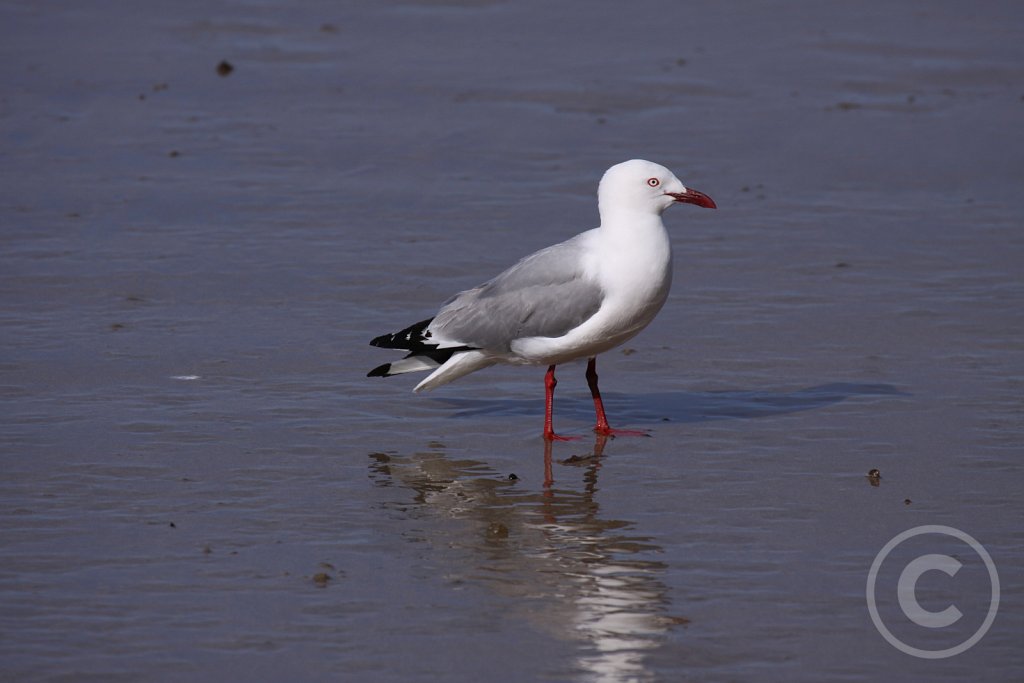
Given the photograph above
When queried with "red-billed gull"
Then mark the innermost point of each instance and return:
(573, 300)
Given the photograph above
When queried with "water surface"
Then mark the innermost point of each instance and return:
(199, 483)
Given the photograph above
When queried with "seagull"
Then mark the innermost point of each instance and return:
(570, 301)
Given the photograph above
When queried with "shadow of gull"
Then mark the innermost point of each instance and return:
(679, 406)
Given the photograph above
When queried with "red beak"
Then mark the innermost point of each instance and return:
(693, 197)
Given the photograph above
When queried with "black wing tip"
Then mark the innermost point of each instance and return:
(381, 340)
(380, 371)
(410, 338)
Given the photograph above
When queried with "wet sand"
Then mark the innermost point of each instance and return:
(201, 484)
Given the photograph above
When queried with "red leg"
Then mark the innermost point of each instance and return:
(602, 420)
(549, 401)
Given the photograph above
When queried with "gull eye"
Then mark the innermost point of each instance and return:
(653, 182)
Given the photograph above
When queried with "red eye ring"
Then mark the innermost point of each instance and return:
(653, 182)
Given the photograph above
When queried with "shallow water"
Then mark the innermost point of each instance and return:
(191, 266)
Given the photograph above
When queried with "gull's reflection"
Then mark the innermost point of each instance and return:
(572, 573)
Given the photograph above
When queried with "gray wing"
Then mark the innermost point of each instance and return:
(544, 295)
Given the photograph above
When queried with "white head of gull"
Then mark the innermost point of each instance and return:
(570, 301)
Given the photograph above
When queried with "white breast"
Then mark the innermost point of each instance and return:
(633, 265)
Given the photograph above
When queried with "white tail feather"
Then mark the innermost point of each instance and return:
(458, 365)
(414, 364)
